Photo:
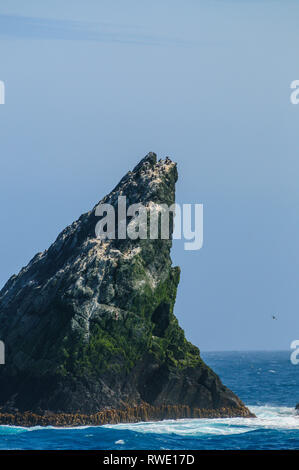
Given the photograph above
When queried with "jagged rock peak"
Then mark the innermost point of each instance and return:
(89, 324)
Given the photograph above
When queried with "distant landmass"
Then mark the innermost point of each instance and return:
(89, 328)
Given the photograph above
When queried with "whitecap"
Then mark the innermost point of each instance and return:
(267, 417)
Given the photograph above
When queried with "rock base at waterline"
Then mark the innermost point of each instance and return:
(128, 415)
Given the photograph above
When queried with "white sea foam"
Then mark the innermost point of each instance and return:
(267, 417)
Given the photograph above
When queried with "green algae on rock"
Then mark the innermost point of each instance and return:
(90, 332)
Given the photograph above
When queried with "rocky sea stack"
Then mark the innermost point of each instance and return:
(90, 332)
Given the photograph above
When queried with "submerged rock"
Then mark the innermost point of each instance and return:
(89, 328)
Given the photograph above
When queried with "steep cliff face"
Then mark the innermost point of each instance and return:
(88, 324)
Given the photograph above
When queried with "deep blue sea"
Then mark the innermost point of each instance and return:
(266, 381)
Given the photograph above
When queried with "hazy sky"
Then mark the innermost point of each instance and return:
(93, 86)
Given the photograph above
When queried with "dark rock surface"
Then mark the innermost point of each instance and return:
(89, 327)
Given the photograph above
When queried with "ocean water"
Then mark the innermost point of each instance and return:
(266, 381)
